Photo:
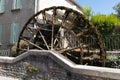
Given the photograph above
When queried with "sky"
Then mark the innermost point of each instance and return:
(99, 6)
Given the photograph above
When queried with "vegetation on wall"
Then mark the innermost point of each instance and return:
(113, 61)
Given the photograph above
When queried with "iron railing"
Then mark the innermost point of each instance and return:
(5, 52)
(112, 42)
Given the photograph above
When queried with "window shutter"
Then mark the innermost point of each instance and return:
(11, 35)
(17, 4)
(0, 33)
(14, 4)
(14, 33)
(2, 2)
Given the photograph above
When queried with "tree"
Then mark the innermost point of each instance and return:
(87, 12)
(105, 23)
(117, 9)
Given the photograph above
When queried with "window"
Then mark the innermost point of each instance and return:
(0, 34)
(16, 4)
(2, 2)
(14, 33)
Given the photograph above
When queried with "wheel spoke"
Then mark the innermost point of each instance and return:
(63, 28)
(53, 21)
(64, 18)
(44, 17)
(30, 31)
(73, 48)
(44, 40)
(83, 32)
(31, 43)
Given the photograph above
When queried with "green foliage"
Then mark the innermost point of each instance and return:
(117, 9)
(114, 61)
(105, 23)
(32, 69)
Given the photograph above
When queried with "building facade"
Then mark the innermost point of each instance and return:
(15, 13)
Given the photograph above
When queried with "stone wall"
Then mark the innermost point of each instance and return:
(42, 66)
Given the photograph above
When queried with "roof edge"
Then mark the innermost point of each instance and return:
(76, 4)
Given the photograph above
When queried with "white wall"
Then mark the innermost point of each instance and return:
(49, 3)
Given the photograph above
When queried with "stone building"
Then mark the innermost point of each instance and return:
(15, 13)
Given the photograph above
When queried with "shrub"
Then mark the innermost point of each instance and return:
(105, 23)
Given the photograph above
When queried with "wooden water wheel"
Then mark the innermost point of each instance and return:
(63, 30)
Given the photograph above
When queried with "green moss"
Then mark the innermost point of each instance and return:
(32, 69)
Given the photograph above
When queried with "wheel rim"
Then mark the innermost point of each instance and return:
(62, 30)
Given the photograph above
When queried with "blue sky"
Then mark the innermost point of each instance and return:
(99, 6)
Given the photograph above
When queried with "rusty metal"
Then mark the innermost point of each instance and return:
(63, 30)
